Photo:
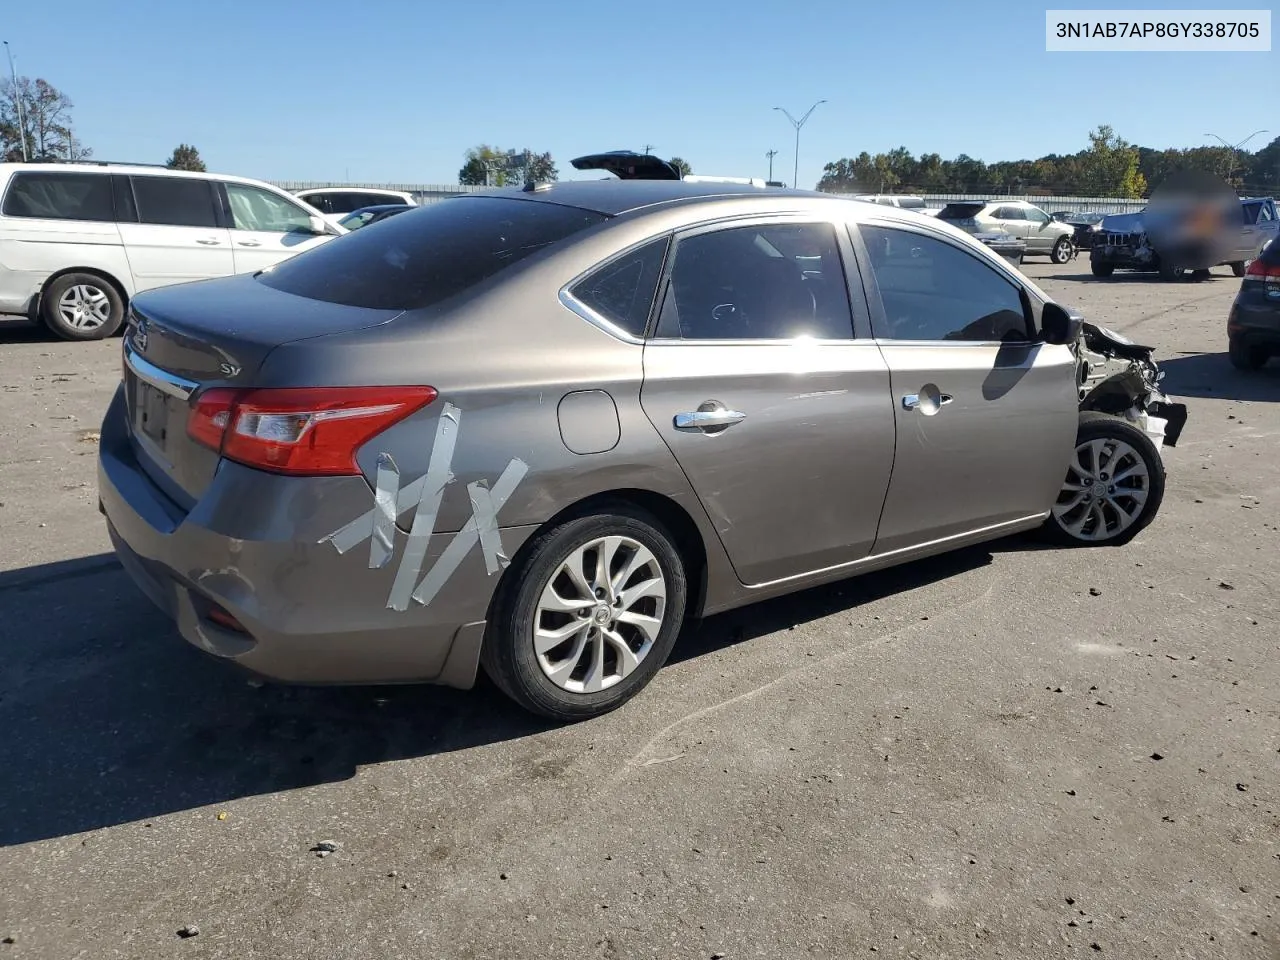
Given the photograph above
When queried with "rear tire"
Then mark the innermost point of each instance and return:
(1239, 267)
(82, 306)
(1101, 269)
(1169, 272)
(559, 639)
(1062, 250)
(1113, 487)
(1243, 356)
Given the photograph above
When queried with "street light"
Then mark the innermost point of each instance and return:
(1235, 150)
(17, 102)
(795, 179)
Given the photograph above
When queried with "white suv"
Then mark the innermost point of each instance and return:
(78, 240)
(336, 202)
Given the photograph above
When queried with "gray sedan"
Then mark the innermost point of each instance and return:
(540, 430)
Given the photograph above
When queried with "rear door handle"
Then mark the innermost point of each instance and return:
(210, 242)
(701, 419)
(248, 243)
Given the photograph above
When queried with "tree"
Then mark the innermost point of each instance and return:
(682, 165)
(1109, 168)
(495, 167)
(185, 157)
(37, 113)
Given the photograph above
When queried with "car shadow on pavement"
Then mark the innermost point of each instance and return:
(1211, 375)
(110, 718)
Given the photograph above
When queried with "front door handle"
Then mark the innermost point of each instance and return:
(209, 242)
(702, 419)
(248, 243)
(928, 403)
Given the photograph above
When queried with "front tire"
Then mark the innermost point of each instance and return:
(82, 306)
(1062, 250)
(1239, 267)
(1100, 269)
(1169, 271)
(589, 616)
(1113, 488)
(1243, 356)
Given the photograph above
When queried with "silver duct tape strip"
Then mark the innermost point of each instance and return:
(486, 515)
(361, 528)
(382, 542)
(469, 535)
(439, 475)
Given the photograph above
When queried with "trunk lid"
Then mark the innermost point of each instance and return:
(182, 339)
(628, 165)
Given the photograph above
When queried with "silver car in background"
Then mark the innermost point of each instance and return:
(539, 430)
(1044, 236)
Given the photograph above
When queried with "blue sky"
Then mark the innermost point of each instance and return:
(392, 90)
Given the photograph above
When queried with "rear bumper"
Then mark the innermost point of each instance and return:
(1257, 324)
(254, 547)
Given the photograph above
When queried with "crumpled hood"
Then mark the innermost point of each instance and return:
(1122, 223)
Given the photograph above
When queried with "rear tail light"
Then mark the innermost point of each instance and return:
(307, 431)
(1263, 271)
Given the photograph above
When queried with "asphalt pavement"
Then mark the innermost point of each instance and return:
(1010, 751)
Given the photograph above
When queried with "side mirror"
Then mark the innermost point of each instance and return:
(319, 225)
(1058, 325)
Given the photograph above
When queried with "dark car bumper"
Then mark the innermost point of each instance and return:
(310, 614)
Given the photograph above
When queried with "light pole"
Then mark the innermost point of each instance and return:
(771, 154)
(795, 178)
(17, 102)
(1235, 150)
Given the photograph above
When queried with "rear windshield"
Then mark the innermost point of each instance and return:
(428, 254)
(911, 203)
(960, 211)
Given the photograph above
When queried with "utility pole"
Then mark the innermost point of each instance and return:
(1235, 148)
(771, 154)
(17, 102)
(647, 148)
(795, 179)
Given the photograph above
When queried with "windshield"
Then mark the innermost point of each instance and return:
(428, 254)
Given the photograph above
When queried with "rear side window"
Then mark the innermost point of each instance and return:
(622, 291)
(320, 201)
(175, 201)
(428, 254)
(60, 196)
(960, 211)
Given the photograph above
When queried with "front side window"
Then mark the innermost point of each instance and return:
(622, 291)
(427, 255)
(253, 208)
(768, 282)
(1035, 215)
(60, 196)
(175, 201)
(932, 290)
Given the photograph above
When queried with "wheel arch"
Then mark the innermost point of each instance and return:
(675, 519)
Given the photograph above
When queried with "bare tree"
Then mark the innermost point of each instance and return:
(45, 122)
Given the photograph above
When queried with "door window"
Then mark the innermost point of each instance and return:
(174, 201)
(320, 201)
(60, 196)
(1036, 216)
(1010, 213)
(932, 290)
(253, 208)
(768, 282)
(622, 291)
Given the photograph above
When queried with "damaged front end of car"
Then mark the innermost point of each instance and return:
(1117, 376)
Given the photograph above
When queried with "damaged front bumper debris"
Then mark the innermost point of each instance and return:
(1117, 376)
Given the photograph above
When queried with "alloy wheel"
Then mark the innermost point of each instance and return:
(599, 614)
(1105, 491)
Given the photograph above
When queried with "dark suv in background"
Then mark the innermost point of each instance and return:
(1253, 326)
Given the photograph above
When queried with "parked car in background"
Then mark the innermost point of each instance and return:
(1043, 235)
(1086, 226)
(367, 215)
(678, 409)
(1130, 241)
(79, 240)
(336, 202)
(1253, 326)
(902, 202)
(1011, 248)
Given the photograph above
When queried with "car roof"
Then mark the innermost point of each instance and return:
(615, 197)
(387, 190)
(378, 208)
(132, 169)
